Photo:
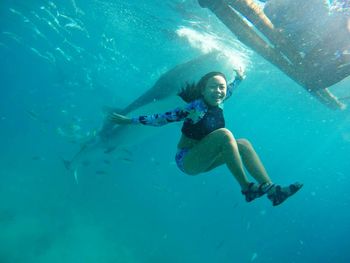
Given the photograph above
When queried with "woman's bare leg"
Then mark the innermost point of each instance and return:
(220, 147)
(252, 161)
(218, 144)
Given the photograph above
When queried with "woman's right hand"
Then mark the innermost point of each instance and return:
(119, 119)
(239, 73)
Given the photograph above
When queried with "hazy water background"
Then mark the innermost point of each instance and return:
(61, 62)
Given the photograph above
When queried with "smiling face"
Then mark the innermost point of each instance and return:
(214, 91)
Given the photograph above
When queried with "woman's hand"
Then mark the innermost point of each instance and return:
(119, 119)
(239, 73)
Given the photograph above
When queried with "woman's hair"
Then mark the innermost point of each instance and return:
(193, 91)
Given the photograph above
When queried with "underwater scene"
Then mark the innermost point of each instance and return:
(75, 189)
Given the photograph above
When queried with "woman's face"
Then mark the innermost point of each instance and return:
(215, 90)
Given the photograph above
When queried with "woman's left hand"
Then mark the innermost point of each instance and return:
(119, 119)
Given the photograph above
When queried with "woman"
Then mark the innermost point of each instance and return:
(206, 143)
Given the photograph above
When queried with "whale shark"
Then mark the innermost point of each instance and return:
(161, 97)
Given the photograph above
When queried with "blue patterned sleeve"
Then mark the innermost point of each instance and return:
(230, 87)
(160, 119)
(192, 112)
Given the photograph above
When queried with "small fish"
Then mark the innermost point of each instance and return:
(38, 32)
(74, 25)
(109, 150)
(78, 11)
(64, 55)
(76, 48)
(52, 26)
(51, 57)
(15, 12)
(127, 160)
(101, 172)
(13, 36)
(107, 161)
(32, 114)
(37, 52)
(51, 15)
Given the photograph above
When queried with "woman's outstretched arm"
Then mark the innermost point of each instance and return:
(239, 76)
(158, 119)
(119, 119)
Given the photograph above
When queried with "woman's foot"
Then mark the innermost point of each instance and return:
(278, 194)
(256, 190)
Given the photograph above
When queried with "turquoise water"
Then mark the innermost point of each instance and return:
(62, 62)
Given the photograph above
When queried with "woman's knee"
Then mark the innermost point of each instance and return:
(244, 144)
(224, 134)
